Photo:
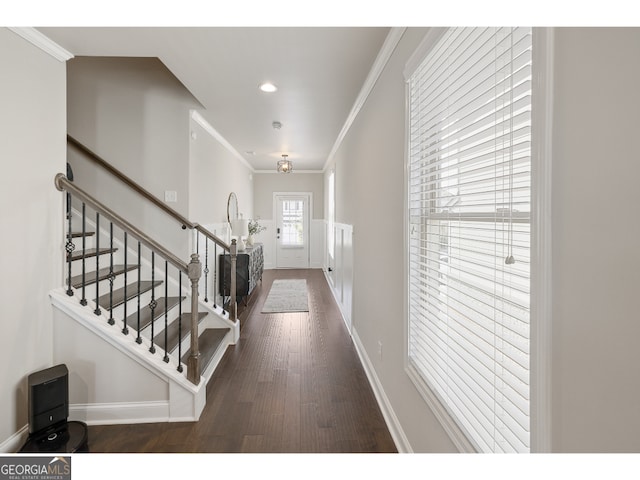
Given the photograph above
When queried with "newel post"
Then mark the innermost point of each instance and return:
(233, 304)
(193, 363)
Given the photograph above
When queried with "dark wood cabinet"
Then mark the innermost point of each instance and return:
(249, 268)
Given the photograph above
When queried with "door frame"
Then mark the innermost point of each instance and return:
(307, 233)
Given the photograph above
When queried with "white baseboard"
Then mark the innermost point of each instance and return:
(104, 414)
(122, 413)
(397, 433)
(15, 441)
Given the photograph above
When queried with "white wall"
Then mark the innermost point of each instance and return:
(596, 240)
(134, 114)
(369, 196)
(33, 150)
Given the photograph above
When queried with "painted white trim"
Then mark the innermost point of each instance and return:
(427, 43)
(124, 343)
(274, 215)
(121, 413)
(317, 247)
(450, 426)
(541, 241)
(43, 42)
(390, 43)
(390, 418)
(327, 277)
(200, 120)
(15, 441)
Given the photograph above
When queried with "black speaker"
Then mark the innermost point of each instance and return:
(48, 399)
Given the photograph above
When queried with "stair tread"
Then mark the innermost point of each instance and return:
(145, 312)
(132, 292)
(80, 234)
(172, 332)
(103, 274)
(90, 252)
(208, 343)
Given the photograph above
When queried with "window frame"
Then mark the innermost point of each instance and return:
(540, 287)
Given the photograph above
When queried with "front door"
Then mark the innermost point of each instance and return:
(292, 231)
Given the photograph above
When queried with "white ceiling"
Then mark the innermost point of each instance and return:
(319, 72)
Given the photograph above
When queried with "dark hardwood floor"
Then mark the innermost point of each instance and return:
(293, 383)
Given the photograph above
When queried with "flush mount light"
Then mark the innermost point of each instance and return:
(284, 165)
(268, 87)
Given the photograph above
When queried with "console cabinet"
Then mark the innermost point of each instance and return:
(249, 268)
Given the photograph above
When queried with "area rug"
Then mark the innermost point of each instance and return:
(287, 296)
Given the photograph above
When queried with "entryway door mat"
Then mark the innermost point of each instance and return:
(287, 296)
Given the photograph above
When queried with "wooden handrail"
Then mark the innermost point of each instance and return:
(186, 223)
(63, 184)
(193, 269)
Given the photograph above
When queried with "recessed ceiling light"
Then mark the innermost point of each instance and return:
(268, 87)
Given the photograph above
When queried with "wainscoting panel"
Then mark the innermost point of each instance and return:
(341, 275)
(317, 241)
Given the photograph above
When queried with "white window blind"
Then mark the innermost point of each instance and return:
(469, 201)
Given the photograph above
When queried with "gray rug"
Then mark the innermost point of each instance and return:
(287, 296)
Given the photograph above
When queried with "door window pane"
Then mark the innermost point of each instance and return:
(292, 223)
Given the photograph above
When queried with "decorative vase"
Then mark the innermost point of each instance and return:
(250, 241)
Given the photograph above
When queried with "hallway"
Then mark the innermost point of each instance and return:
(293, 383)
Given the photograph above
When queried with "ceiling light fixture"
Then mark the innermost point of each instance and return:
(268, 87)
(284, 165)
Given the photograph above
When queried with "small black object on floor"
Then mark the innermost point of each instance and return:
(49, 428)
(66, 437)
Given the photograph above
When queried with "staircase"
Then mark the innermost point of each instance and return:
(140, 306)
(139, 292)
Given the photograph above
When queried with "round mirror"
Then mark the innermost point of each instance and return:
(232, 207)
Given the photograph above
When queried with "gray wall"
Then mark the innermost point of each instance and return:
(595, 379)
(596, 240)
(134, 114)
(33, 150)
(369, 195)
(214, 173)
(266, 183)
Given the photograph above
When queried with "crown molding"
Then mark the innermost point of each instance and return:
(43, 42)
(200, 120)
(390, 43)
